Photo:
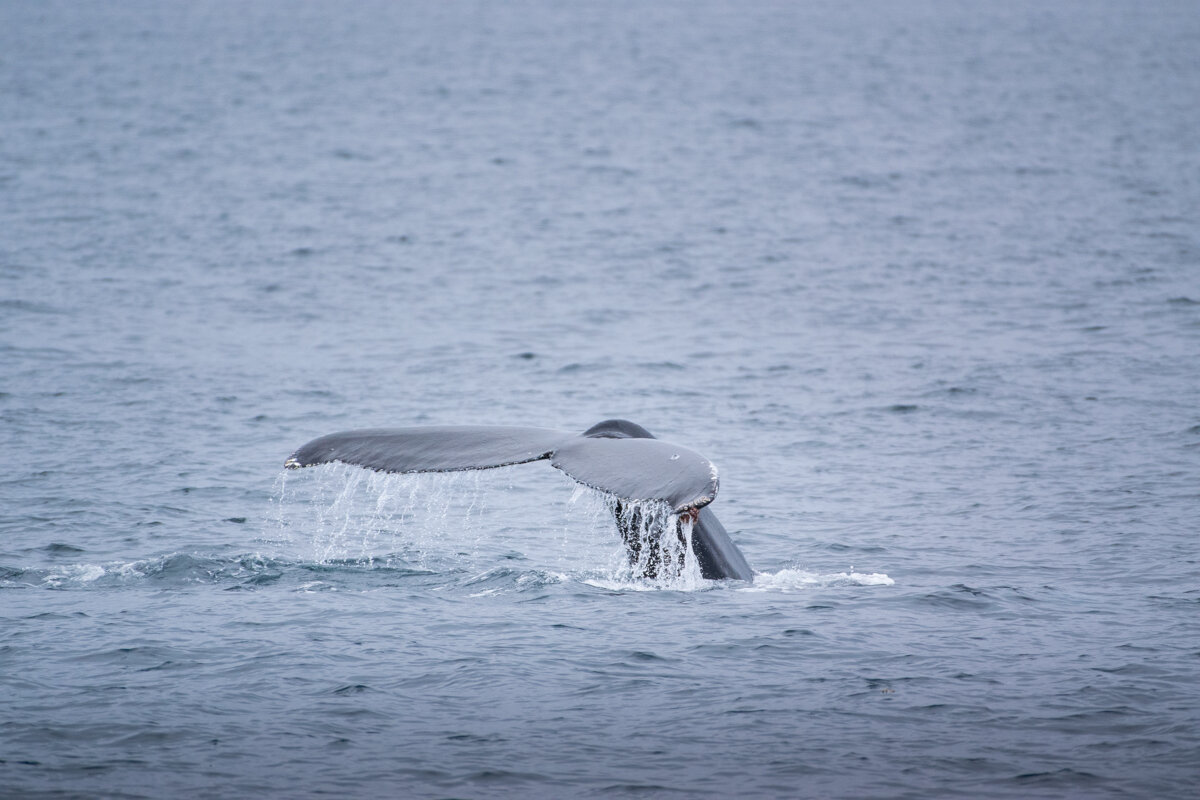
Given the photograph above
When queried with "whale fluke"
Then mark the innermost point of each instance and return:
(616, 457)
(640, 469)
(444, 448)
(715, 551)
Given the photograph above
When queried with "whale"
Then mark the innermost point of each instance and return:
(616, 457)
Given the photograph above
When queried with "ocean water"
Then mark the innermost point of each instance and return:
(922, 279)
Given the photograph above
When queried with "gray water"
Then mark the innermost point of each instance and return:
(922, 279)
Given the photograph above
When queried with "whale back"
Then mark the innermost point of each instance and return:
(617, 429)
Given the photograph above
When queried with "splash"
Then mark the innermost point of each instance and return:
(469, 521)
(653, 549)
(339, 513)
(658, 543)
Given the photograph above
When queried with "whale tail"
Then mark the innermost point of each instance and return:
(616, 457)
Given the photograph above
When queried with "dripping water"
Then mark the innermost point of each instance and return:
(339, 514)
(658, 543)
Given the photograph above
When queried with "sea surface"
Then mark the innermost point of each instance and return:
(922, 279)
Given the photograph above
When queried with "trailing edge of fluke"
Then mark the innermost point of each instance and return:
(616, 457)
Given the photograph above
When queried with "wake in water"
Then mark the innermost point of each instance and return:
(251, 572)
(344, 528)
(255, 571)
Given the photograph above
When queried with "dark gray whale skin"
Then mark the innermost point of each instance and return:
(719, 557)
(616, 456)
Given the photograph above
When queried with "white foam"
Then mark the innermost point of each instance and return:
(75, 574)
(790, 580)
(648, 584)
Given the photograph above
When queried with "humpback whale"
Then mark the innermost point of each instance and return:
(616, 457)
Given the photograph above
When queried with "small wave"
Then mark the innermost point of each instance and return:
(178, 568)
(790, 580)
(60, 548)
(502, 580)
(252, 572)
